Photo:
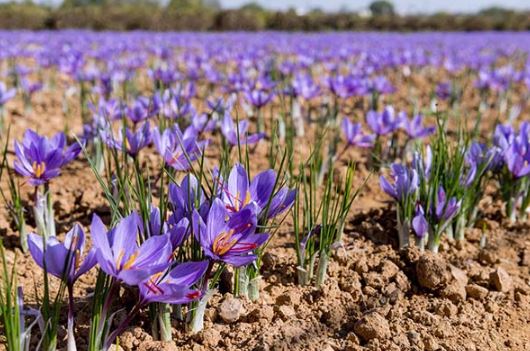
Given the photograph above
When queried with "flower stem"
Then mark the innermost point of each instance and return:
(71, 345)
(197, 320)
(253, 288)
(322, 269)
(164, 321)
(121, 327)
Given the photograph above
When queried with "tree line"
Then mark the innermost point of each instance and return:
(208, 15)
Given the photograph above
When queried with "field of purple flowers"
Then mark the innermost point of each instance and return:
(266, 191)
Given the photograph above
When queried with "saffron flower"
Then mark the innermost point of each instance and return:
(143, 108)
(231, 132)
(445, 209)
(239, 193)
(384, 123)
(303, 85)
(176, 148)
(443, 90)
(62, 259)
(40, 159)
(185, 197)
(175, 286)
(419, 223)
(258, 97)
(414, 127)
(517, 158)
(231, 241)
(423, 163)
(406, 182)
(134, 140)
(120, 256)
(355, 136)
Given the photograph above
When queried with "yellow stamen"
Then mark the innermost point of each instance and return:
(247, 199)
(222, 243)
(130, 262)
(38, 168)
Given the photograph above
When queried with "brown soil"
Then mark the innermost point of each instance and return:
(375, 298)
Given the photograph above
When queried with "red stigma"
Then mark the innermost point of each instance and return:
(193, 295)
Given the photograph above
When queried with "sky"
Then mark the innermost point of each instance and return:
(402, 6)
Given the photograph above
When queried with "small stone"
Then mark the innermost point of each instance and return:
(501, 280)
(211, 337)
(431, 271)
(230, 309)
(488, 256)
(454, 292)
(459, 275)
(372, 326)
(286, 312)
(476, 292)
(261, 312)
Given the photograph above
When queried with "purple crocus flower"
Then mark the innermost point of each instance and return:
(134, 140)
(482, 156)
(258, 97)
(239, 192)
(423, 164)
(120, 256)
(175, 104)
(40, 159)
(517, 158)
(380, 85)
(62, 259)
(419, 223)
(443, 90)
(355, 136)
(503, 136)
(107, 110)
(176, 148)
(445, 209)
(143, 108)
(6, 94)
(303, 85)
(383, 123)
(406, 182)
(231, 241)
(175, 287)
(231, 132)
(414, 127)
(184, 198)
(165, 75)
(202, 123)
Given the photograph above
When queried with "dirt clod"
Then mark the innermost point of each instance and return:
(286, 312)
(501, 280)
(230, 309)
(431, 271)
(372, 326)
(476, 292)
